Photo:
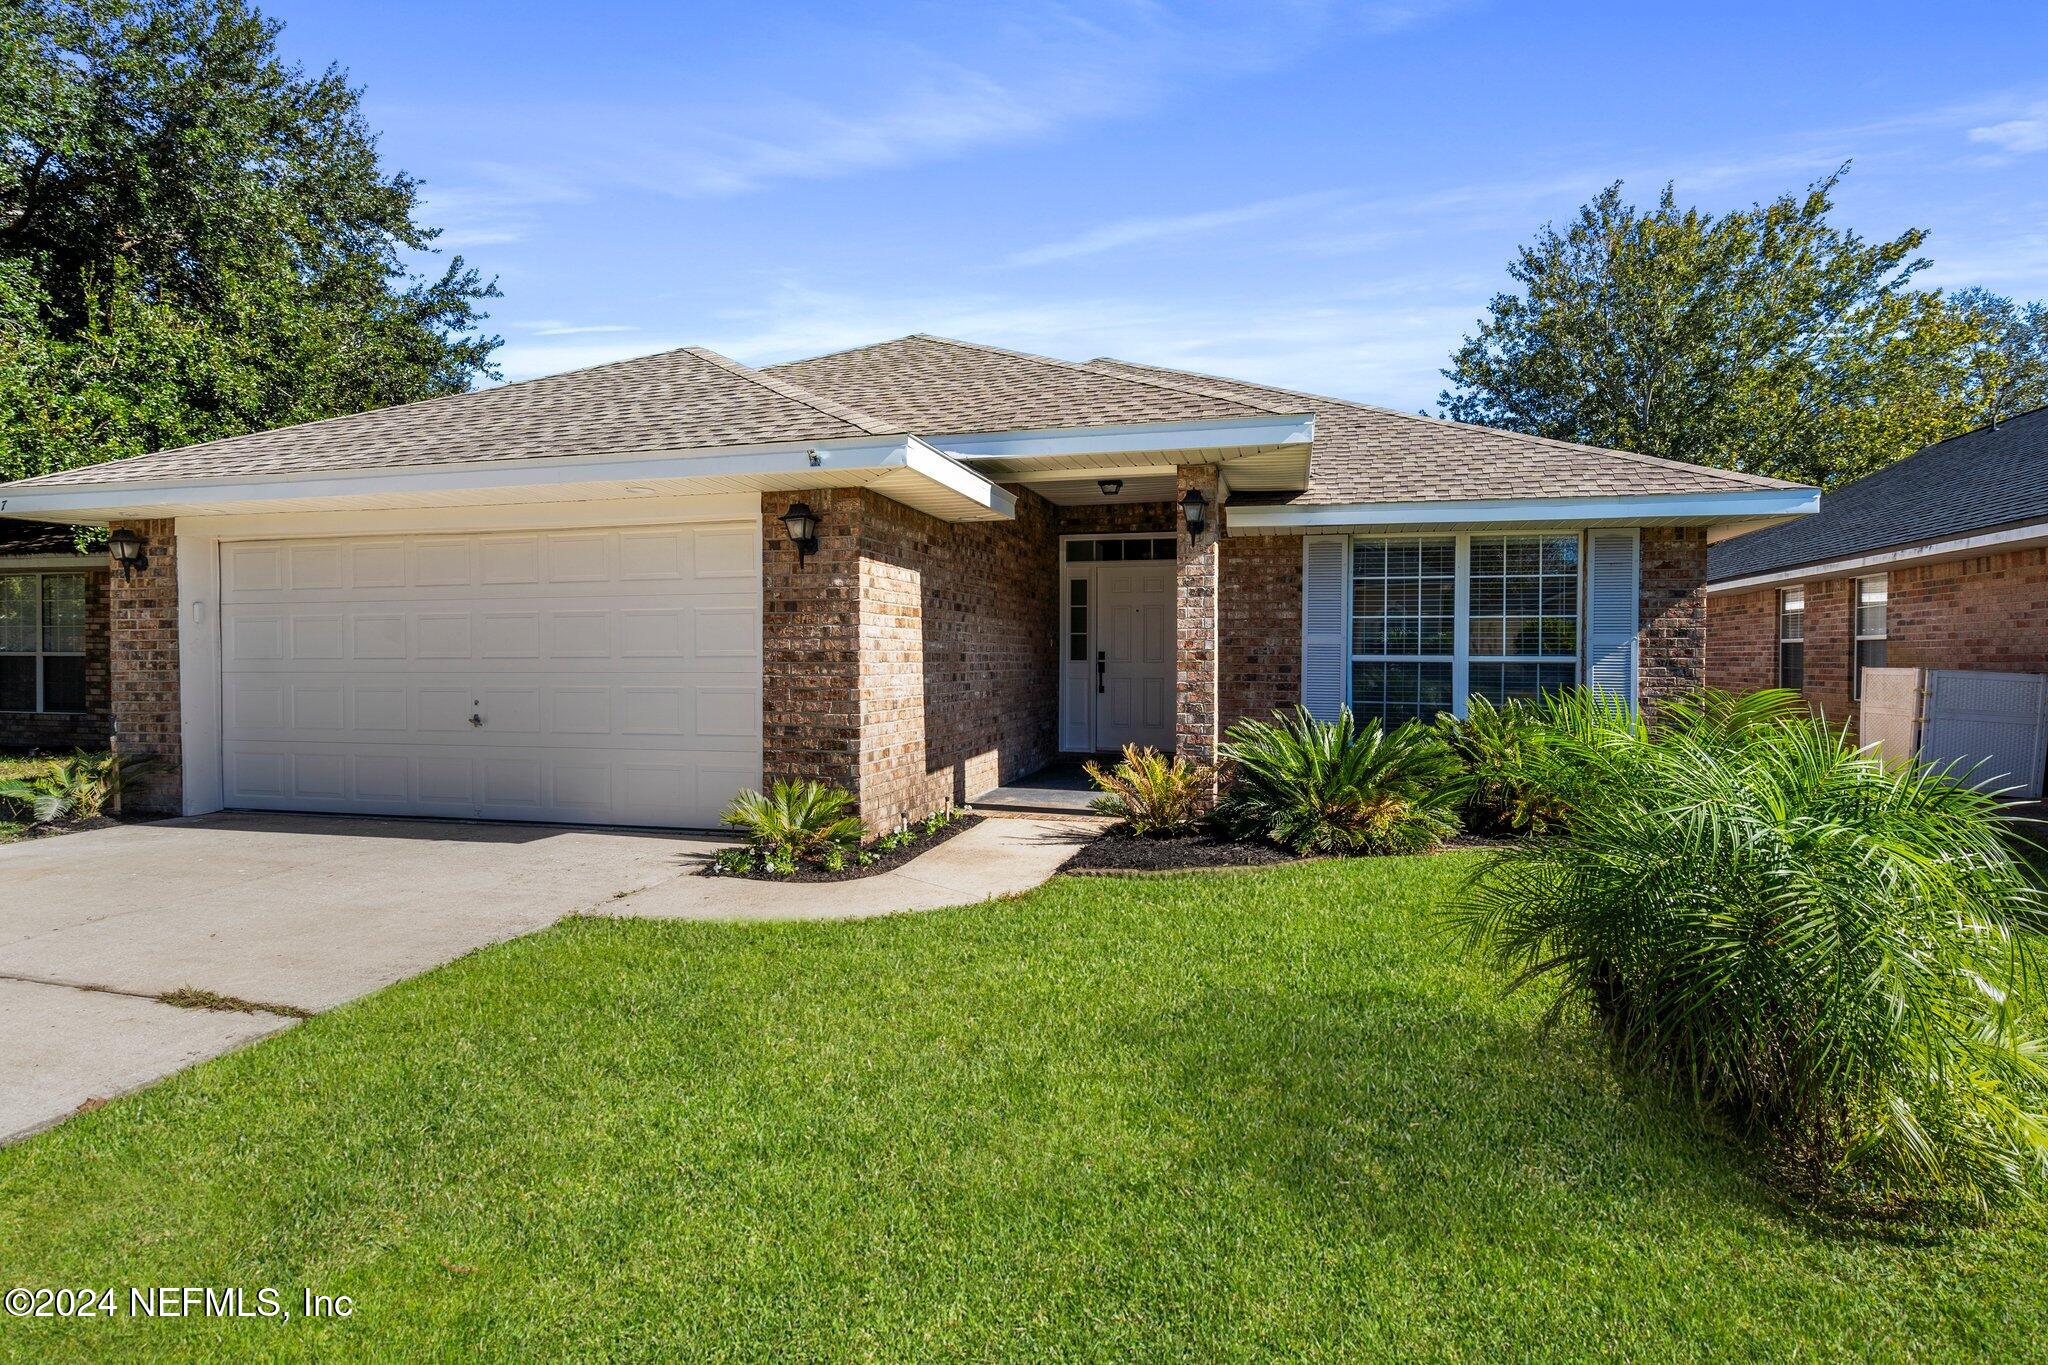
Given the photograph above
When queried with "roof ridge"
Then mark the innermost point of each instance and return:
(1659, 461)
(1149, 380)
(795, 392)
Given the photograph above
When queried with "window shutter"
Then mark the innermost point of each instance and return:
(1325, 623)
(1613, 604)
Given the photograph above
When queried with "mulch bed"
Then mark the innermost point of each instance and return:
(923, 843)
(67, 827)
(1120, 851)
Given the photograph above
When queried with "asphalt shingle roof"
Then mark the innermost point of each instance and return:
(1993, 476)
(934, 385)
(678, 400)
(1368, 454)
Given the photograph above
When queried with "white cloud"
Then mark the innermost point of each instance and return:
(1142, 231)
(2017, 136)
(570, 329)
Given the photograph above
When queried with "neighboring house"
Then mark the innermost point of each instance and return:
(581, 598)
(53, 640)
(1938, 561)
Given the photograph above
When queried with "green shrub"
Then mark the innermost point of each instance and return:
(795, 822)
(1336, 787)
(733, 862)
(76, 788)
(1839, 957)
(1494, 746)
(1153, 795)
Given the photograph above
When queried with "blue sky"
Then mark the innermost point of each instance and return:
(1316, 195)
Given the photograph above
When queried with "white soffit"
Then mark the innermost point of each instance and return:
(1263, 454)
(1749, 506)
(904, 469)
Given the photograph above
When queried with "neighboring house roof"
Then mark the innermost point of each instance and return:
(934, 385)
(1369, 454)
(18, 538)
(1994, 476)
(678, 400)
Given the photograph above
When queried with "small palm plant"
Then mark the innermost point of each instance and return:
(1841, 957)
(76, 788)
(1153, 795)
(1494, 746)
(796, 822)
(1320, 786)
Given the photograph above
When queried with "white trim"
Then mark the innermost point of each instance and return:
(2012, 538)
(816, 461)
(1381, 517)
(13, 569)
(1069, 571)
(1223, 433)
(502, 516)
(200, 699)
(45, 563)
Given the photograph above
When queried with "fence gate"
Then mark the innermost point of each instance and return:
(1996, 723)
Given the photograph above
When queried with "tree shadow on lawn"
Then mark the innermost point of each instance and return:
(1406, 1112)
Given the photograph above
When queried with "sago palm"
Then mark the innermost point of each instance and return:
(1339, 787)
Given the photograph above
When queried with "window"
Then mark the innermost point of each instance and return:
(1872, 597)
(1077, 620)
(42, 642)
(1116, 549)
(1403, 626)
(1525, 615)
(1792, 638)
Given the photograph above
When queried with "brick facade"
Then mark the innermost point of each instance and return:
(1259, 628)
(1671, 652)
(1983, 612)
(142, 659)
(60, 731)
(910, 660)
(1197, 582)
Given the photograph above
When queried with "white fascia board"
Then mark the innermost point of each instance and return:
(1957, 547)
(83, 499)
(1762, 502)
(1222, 433)
(44, 563)
(920, 458)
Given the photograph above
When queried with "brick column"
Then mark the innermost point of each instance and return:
(142, 670)
(1196, 576)
(1672, 647)
(810, 642)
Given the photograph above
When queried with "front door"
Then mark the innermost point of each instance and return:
(1134, 655)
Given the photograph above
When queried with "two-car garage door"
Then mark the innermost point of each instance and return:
(607, 676)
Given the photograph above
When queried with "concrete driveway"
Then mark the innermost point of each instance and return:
(296, 912)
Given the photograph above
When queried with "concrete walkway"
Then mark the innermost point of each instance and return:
(302, 912)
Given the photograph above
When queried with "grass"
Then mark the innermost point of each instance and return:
(1262, 1115)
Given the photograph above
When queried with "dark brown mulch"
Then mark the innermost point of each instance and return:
(67, 827)
(923, 843)
(1120, 851)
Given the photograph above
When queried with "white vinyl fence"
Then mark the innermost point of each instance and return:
(1991, 726)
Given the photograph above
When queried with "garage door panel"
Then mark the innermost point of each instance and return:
(616, 674)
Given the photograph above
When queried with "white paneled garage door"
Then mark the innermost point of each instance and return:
(584, 676)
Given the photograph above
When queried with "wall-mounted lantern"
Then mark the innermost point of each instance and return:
(802, 524)
(1195, 508)
(127, 551)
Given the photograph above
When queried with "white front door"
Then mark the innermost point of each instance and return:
(1134, 655)
(605, 676)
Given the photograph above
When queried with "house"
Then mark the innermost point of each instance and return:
(1938, 561)
(917, 569)
(53, 640)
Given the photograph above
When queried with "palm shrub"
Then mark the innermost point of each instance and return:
(1495, 748)
(1154, 795)
(1841, 957)
(76, 788)
(1321, 786)
(796, 822)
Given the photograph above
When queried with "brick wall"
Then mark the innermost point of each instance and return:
(56, 731)
(142, 659)
(1118, 519)
(1742, 640)
(1672, 646)
(1197, 580)
(1984, 612)
(910, 660)
(1259, 627)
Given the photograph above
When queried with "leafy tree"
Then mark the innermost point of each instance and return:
(1768, 340)
(2008, 361)
(198, 240)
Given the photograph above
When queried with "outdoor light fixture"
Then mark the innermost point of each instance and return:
(802, 524)
(127, 549)
(1110, 487)
(1195, 508)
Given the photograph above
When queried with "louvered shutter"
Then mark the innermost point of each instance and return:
(1613, 604)
(1325, 623)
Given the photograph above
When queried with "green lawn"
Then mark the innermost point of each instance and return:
(1266, 1114)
